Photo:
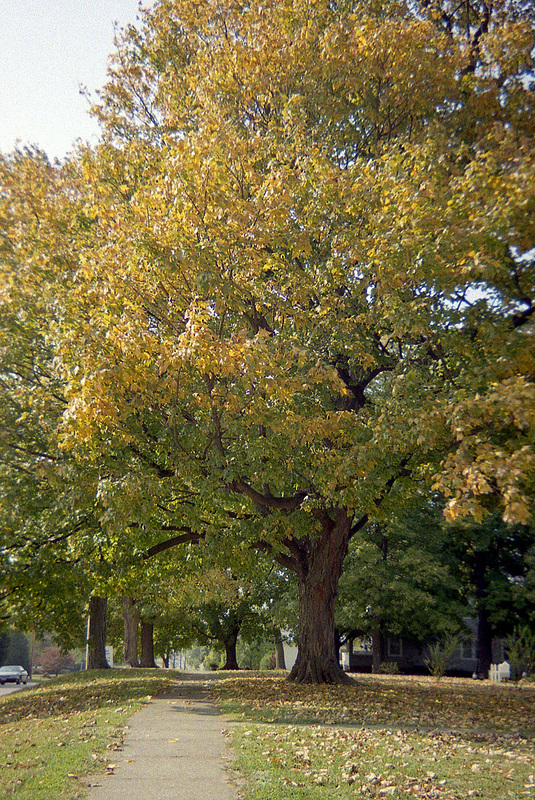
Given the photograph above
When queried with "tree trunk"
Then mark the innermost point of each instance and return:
(147, 644)
(96, 636)
(130, 631)
(484, 642)
(378, 648)
(378, 639)
(280, 663)
(484, 629)
(231, 661)
(318, 569)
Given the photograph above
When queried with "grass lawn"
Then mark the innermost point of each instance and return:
(54, 735)
(387, 736)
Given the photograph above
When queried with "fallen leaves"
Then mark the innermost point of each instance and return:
(400, 761)
(385, 751)
(80, 694)
(68, 728)
(377, 700)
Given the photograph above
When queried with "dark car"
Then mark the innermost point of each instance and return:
(13, 674)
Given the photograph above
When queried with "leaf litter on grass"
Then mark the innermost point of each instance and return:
(53, 735)
(385, 736)
(379, 700)
(382, 763)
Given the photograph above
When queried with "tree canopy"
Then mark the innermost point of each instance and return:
(300, 279)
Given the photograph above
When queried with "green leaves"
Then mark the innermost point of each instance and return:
(298, 262)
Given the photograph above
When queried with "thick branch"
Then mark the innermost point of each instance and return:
(357, 526)
(268, 500)
(187, 536)
(522, 317)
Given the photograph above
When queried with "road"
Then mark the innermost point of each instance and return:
(8, 688)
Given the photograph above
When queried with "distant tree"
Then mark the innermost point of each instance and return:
(14, 649)
(397, 582)
(53, 660)
(173, 633)
(493, 561)
(222, 623)
(255, 652)
(521, 650)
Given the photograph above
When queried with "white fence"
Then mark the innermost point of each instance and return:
(500, 672)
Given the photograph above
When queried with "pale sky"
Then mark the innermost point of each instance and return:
(48, 48)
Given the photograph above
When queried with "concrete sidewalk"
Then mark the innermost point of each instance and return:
(174, 749)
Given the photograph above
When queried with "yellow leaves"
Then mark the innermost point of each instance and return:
(510, 45)
(495, 455)
(207, 353)
(302, 246)
(301, 213)
(519, 511)
(478, 468)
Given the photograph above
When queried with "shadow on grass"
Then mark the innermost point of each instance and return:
(471, 708)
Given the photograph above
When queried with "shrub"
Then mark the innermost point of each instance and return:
(389, 668)
(54, 660)
(440, 654)
(521, 650)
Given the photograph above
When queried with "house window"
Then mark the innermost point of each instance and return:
(394, 646)
(468, 650)
(362, 645)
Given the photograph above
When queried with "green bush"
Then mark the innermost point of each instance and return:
(440, 654)
(389, 668)
(521, 650)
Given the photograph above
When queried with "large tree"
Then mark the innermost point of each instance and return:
(309, 278)
(54, 551)
(44, 579)
(305, 281)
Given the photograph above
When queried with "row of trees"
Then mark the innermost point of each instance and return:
(288, 295)
(409, 579)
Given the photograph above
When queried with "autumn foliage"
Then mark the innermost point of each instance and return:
(293, 284)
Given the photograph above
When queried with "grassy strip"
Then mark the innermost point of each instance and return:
(385, 737)
(53, 736)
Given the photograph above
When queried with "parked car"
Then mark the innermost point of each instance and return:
(13, 674)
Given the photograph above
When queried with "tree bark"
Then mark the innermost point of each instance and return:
(318, 566)
(378, 648)
(96, 638)
(147, 644)
(484, 642)
(484, 629)
(231, 660)
(280, 663)
(130, 631)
